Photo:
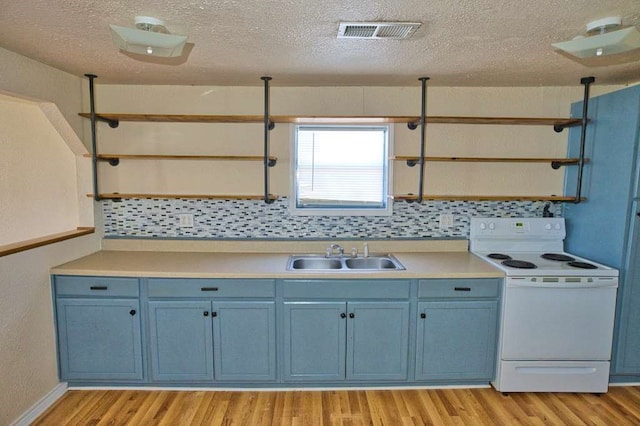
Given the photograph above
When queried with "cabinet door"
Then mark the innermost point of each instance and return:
(377, 340)
(314, 341)
(627, 353)
(99, 339)
(244, 341)
(456, 340)
(180, 334)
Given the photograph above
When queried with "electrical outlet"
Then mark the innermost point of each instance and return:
(186, 220)
(446, 221)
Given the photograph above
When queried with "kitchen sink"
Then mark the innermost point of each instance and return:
(371, 263)
(316, 262)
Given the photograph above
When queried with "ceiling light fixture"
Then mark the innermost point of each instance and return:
(602, 39)
(150, 37)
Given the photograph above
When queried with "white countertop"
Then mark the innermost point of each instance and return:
(457, 264)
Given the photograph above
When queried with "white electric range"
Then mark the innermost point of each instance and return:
(556, 325)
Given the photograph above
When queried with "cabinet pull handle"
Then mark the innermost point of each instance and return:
(214, 314)
(423, 315)
(352, 315)
(206, 313)
(209, 288)
(132, 312)
(462, 289)
(99, 287)
(343, 315)
(638, 214)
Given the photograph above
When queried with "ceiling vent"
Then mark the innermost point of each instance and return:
(378, 30)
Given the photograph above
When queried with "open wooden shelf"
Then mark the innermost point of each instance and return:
(312, 119)
(111, 157)
(118, 196)
(523, 121)
(177, 118)
(411, 197)
(8, 249)
(413, 122)
(559, 161)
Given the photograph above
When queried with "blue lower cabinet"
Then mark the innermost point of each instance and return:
(180, 335)
(377, 340)
(99, 339)
(456, 340)
(337, 341)
(314, 341)
(203, 341)
(217, 331)
(244, 341)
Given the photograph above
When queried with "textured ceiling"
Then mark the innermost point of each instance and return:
(234, 42)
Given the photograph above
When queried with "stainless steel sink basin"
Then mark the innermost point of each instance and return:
(316, 262)
(371, 263)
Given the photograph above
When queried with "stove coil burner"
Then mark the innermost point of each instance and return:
(582, 265)
(557, 257)
(520, 264)
(499, 256)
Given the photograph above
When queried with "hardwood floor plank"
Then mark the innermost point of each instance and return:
(611, 409)
(432, 413)
(466, 411)
(628, 398)
(147, 401)
(72, 401)
(502, 409)
(468, 407)
(125, 407)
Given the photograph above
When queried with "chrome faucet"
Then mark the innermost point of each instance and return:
(331, 250)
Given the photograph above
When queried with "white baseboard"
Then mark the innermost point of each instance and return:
(41, 406)
(624, 384)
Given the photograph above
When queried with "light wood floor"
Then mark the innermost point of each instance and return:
(620, 406)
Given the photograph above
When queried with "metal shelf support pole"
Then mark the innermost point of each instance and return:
(268, 126)
(586, 82)
(423, 125)
(94, 154)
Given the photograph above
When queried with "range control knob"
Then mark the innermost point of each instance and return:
(547, 227)
(557, 226)
(492, 226)
(483, 226)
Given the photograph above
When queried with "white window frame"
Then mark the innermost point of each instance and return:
(333, 210)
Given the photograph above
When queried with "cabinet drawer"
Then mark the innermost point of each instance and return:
(457, 288)
(96, 286)
(346, 289)
(177, 287)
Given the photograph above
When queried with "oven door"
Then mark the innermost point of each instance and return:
(558, 321)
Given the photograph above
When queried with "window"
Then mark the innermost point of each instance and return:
(341, 170)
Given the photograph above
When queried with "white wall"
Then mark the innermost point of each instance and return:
(27, 346)
(38, 176)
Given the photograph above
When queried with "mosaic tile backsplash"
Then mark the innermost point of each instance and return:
(253, 219)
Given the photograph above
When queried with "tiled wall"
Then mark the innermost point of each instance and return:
(253, 219)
